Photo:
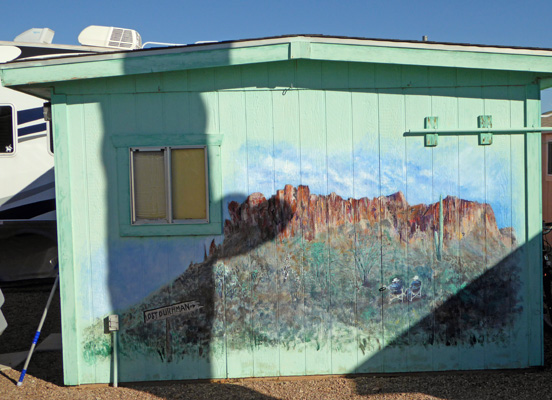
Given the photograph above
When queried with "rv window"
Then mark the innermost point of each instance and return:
(50, 137)
(7, 137)
(549, 158)
(169, 185)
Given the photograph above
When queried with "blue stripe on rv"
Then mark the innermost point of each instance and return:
(32, 114)
(31, 129)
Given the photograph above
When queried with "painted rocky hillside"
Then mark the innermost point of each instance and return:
(295, 264)
(295, 211)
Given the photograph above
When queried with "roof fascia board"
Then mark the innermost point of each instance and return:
(430, 46)
(111, 65)
(431, 58)
(164, 60)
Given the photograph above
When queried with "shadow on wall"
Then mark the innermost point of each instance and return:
(149, 273)
(464, 312)
(205, 300)
(463, 316)
(480, 327)
(466, 330)
(138, 265)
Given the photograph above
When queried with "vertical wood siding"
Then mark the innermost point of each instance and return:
(290, 305)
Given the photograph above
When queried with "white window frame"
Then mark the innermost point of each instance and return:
(168, 185)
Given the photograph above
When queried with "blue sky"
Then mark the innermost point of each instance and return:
(505, 22)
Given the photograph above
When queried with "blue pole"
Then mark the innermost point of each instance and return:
(37, 334)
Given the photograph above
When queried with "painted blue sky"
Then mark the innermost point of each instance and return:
(423, 174)
(469, 21)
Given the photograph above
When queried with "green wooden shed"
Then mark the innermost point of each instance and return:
(296, 205)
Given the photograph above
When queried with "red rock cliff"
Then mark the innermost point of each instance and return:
(295, 211)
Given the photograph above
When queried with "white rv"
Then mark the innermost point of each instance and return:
(28, 238)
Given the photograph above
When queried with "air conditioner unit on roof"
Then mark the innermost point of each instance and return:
(108, 36)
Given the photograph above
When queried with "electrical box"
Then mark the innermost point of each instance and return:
(112, 323)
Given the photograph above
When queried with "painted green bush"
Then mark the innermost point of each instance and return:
(299, 268)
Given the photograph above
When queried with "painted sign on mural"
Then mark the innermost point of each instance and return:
(170, 311)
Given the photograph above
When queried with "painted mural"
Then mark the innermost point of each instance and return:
(298, 267)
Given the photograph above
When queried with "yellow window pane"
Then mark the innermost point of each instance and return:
(149, 185)
(189, 190)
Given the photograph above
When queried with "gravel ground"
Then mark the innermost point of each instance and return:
(44, 379)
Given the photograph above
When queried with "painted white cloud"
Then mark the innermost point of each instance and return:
(452, 168)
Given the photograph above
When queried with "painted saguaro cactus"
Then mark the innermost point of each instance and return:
(439, 234)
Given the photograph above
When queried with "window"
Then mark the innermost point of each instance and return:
(549, 168)
(50, 138)
(169, 185)
(7, 131)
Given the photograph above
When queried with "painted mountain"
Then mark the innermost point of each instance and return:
(304, 268)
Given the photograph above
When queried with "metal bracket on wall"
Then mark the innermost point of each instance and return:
(485, 121)
(461, 132)
(431, 139)
(485, 131)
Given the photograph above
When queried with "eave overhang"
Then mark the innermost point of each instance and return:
(43, 73)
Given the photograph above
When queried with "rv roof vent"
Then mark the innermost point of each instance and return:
(108, 36)
(36, 35)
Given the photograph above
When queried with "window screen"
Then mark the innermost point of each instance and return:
(7, 137)
(169, 195)
(188, 184)
(149, 185)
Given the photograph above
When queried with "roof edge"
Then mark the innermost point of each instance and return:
(325, 48)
